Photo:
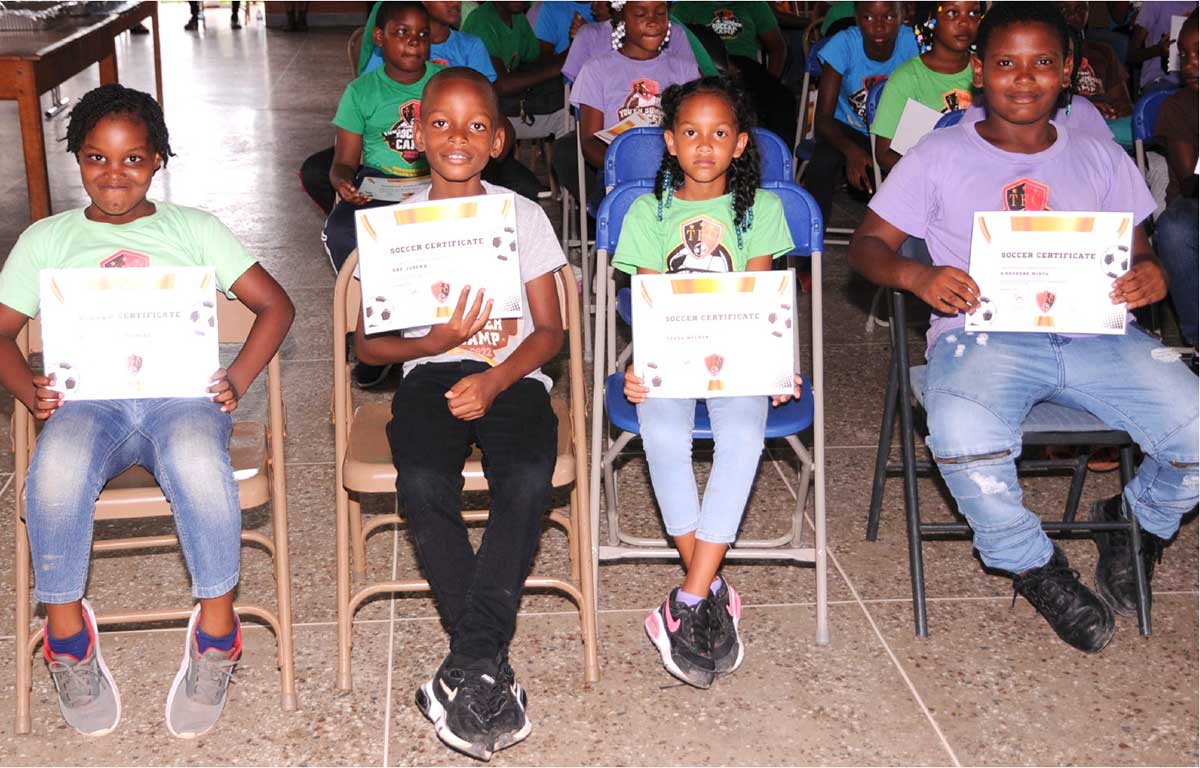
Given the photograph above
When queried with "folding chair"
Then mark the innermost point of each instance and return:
(873, 97)
(803, 146)
(787, 421)
(1046, 424)
(1145, 118)
(363, 464)
(636, 155)
(256, 451)
(353, 47)
(951, 118)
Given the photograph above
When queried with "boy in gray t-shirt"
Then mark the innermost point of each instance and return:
(475, 380)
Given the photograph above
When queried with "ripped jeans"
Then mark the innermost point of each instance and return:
(977, 399)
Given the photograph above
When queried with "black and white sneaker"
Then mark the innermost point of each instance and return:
(681, 635)
(725, 616)
(459, 701)
(510, 723)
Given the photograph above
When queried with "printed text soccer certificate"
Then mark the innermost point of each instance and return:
(118, 334)
(415, 258)
(715, 335)
(1049, 272)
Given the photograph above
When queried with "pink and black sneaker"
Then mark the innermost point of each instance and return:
(681, 635)
(725, 615)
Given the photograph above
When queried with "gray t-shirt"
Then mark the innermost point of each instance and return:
(538, 253)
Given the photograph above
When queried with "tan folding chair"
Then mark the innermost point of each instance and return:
(354, 48)
(364, 465)
(257, 454)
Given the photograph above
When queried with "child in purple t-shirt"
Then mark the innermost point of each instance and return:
(979, 389)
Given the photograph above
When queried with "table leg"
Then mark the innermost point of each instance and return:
(33, 144)
(158, 82)
(108, 65)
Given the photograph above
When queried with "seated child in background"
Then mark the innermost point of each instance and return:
(1175, 232)
(1151, 42)
(978, 394)
(375, 121)
(475, 380)
(627, 80)
(1099, 75)
(708, 178)
(557, 22)
(940, 78)
(526, 72)
(853, 60)
(120, 140)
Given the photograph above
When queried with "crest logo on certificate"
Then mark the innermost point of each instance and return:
(1049, 271)
(119, 334)
(719, 335)
(415, 258)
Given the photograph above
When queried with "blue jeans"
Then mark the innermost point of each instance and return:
(86, 443)
(738, 425)
(1179, 252)
(977, 399)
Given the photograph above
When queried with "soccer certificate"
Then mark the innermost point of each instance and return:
(1048, 271)
(118, 334)
(415, 259)
(391, 189)
(715, 335)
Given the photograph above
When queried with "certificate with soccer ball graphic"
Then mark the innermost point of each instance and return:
(119, 334)
(1049, 271)
(715, 335)
(415, 259)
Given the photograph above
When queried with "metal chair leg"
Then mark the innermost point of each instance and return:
(887, 429)
(1141, 583)
(916, 562)
(1078, 477)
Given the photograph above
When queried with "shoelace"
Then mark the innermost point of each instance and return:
(699, 629)
(78, 682)
(212, 678)
(483, 696)
(1050, 575)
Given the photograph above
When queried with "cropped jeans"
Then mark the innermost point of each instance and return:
(738, 425)
(185, 444)
(980, 387)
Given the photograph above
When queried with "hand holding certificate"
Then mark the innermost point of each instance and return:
(113, 334)
(416, 258)
(715, 335)
(1049, 271)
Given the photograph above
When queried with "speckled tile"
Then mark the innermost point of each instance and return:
(1006, 691)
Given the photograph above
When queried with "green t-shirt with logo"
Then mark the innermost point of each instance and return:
(698, 235)
(514, 46)
(914, 80)
(738, 24)
(172, 236)
(383, 111)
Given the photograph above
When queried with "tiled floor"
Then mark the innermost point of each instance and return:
(991, 685)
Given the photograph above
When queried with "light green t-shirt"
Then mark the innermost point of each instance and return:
(738, 24)
(173, 236)
(513, 45)
(383, 111)
(698, 235)
(913, 80)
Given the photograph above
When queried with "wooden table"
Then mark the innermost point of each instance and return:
(32, 63)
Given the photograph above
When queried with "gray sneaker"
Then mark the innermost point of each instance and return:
(87, 695)
(198, 694)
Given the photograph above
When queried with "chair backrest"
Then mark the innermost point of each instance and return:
(354, 49)
(813, 64)
(953, 117)
(803, 217)
(636, 154)
(613, 209)
(1145, 113)
(873, 96)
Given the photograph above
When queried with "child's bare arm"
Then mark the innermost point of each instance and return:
(389, 348)
(15, 373)
(473, 395)
(1145, 282)
(347, 156)
(273, 313)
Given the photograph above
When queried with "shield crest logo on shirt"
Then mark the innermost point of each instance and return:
(1026, 195)
(702, 236)
(126, 258)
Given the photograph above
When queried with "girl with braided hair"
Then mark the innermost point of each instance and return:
(705, 215)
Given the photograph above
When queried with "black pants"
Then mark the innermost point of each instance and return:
(509, 172)
(827, 169)
(774, 104)
(195, 7)
(477, 593)
(566, 169)
(340, 235)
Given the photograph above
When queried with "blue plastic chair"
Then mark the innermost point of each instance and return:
(812, 70)
(873, 97)
(786, 421)
(637, 153)
(951, 118)
(1145, 119)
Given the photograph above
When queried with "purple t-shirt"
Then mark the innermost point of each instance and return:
(935, 189)
(1155, 18)
(618, 86)
(596, 38)
(1084, 119)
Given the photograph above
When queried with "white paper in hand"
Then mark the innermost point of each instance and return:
(915, 121)
(391, 189)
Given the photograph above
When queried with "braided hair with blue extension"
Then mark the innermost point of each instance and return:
(742, 176)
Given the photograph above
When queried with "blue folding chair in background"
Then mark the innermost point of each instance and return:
(812, 71)
(1145, 118)
(951, 118)
(873, 97)
(610, 409)
(637, 153)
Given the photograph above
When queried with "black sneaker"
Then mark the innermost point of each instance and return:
(1115, 580)
(724, 617)
(510, 724)
(459, 701)
(1079, 617)
(192, 25)
(367, 376)
(681, 635)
